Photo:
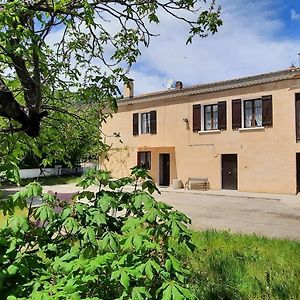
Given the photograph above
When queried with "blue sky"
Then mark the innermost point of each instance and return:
(257, 36)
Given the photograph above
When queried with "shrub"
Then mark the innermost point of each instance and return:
(112, 244)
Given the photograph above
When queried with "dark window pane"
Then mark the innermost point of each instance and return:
(144, 159)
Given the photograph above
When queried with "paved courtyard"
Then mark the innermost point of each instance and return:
(262, 214)
(270, 216)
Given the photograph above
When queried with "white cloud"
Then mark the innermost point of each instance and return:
(294, 15)
(250, 42)
(247, 44)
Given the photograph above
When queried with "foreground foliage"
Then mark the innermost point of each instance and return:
(111, 244)
(235, 266)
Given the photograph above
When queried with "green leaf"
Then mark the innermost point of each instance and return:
(176, 294)
(167, 293)
(12, 270)
(71, 224)
(156, 266)
(140, 293)
(130, 224)
(98, 217)
(18, 223)
(44, 213)
(66, 213)
(136, 295)
(124, 279)
(148, 270)
(90, 235)
(33, 189)
(138, 200)
(175, 263)
(105, 202)
(185, 292)
(138, 241)
(86, 194)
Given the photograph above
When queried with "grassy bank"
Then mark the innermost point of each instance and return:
(50, 180)
(228, 266)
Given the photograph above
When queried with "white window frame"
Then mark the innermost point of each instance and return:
(203, 118)
(243, 128)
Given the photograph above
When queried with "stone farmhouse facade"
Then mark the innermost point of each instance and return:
(241, 134)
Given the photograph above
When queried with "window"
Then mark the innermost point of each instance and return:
(211, 117)
(144, 159)
(256, 113)
(297, 96)
(253, 113)
(144, 123)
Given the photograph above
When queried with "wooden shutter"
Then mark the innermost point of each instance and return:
(222, 120)
(139, 159)
(297, 116)
(153, 127)
(196, 117)
(236, 114)
(267, 111)
(135, 124)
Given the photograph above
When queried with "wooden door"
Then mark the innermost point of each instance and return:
(229, 172)
(164, 169)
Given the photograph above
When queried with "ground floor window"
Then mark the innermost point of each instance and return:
(144, 159)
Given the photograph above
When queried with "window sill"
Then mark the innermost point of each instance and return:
(209, 131)
(262, 128)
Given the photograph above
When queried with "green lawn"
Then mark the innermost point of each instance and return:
(51, 180)
(230, 266)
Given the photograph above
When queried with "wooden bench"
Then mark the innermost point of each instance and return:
(197, 183)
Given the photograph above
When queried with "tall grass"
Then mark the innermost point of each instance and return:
(230, 266)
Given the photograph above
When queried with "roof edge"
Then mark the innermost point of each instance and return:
(215, 86)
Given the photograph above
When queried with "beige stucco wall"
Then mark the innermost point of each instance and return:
(266, 158)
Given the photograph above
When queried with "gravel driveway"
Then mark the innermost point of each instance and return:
(263, 214)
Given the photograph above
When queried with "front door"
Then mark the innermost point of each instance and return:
(164, 169)
(229, 172)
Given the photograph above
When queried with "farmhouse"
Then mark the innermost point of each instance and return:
(241, 134)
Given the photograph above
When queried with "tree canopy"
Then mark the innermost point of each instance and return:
(53, 53)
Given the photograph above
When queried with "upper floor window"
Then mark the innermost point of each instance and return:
(213, 116)
(144, 123)
(253, 113)
(257, 112)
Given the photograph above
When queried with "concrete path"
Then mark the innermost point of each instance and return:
(269, 215)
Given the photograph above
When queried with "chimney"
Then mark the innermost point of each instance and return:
(178, 85)
(128, 89)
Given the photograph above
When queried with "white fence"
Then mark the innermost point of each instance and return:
(33, 173)
(58, 170)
